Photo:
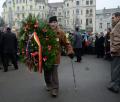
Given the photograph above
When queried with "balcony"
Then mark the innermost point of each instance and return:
(20, 12)
(89, 15)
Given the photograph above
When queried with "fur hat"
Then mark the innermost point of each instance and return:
(53, 18)
(8, 29)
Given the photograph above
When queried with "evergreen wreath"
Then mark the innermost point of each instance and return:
(29, 48)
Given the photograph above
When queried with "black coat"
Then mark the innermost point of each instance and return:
(0, 41)
(9, 43)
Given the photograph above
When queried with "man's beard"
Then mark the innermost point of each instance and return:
(114, 24)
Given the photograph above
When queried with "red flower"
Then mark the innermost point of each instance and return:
(44, 30)
(47, 38)
(49, 47)
(36, 24)
(23, 51)
(45, 58)
(34, 54)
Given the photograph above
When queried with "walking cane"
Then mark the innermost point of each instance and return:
(74, 75)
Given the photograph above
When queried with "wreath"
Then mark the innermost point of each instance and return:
(38, 46)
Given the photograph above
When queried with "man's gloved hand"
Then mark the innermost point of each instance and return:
(71, 56)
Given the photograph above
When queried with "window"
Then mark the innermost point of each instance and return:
(87, 2)
(77, 3)
(77, 11)
(81, 12)
(91, 2)
(59, 19)
(43, 7)
(67, 4)
(91, 11)
(67, 22)
(53, 13)
(18, 8)
(67, 12)
(108, 25)
(59, 13)
(18, 15)
(87, 11)
(20, 1)
(86, 21)
(81, 21)
(23, 1)
(90, 20)
(39, 7)
(31, 7)
(100, 25)
(23, 8)
(16, 1)
(23, 16)
(9, 2)
(10, 8)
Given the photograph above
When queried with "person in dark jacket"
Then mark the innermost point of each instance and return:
(0, 49)
(77, 44)
(9, 49)
(107, 45)
(100, 46)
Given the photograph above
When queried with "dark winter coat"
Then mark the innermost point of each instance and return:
(9, 43)
(77, 40)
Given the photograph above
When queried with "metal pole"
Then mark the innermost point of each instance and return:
(74, 77)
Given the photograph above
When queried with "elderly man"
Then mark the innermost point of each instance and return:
(115, 52)
(51, 76)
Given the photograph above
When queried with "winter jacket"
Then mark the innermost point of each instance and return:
(115, 40)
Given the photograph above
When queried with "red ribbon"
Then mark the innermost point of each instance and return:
(36, 38)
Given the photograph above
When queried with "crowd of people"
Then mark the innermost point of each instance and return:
(87, 43)
(103, 45)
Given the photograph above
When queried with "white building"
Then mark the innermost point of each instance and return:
(70, 13)
(103, 19)
(16, 10)
(80, 13)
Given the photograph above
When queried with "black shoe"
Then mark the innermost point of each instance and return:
(48, 88)
(5, 70)
(112, 89)
(16, 68)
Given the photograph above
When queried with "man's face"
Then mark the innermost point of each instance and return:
(115, 20)
(53, 24)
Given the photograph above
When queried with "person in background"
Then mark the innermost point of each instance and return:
(96, 45)
(107, 45)
(114, 85)
(77, 43)
(100, 45)
(0, 49)
(9, 49)
(51, 76)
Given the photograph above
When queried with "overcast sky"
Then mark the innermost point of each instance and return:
(100, 4)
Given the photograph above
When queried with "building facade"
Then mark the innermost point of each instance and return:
(103, 19)
(70, 13)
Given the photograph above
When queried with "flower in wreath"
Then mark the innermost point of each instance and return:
(39, 40)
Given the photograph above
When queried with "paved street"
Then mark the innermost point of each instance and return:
(92, 77)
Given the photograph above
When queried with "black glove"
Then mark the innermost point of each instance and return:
(71, 56)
